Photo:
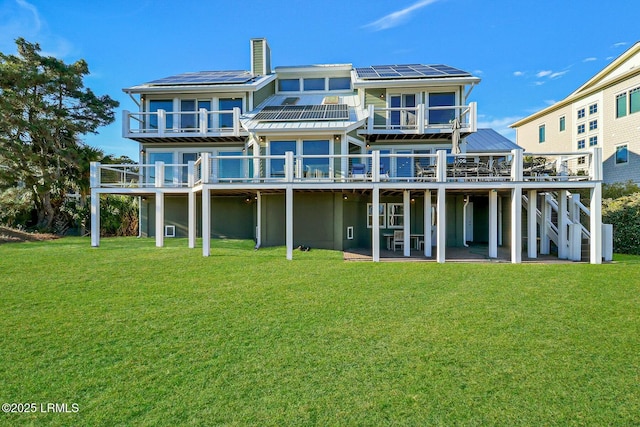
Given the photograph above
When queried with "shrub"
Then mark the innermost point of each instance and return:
(619, 189)
(624, 214)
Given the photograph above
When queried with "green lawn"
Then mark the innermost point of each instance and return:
(139, 335)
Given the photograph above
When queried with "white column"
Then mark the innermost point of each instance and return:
(427, 223)
(532, 221)
(259, 219)
(159, 219)
(563, 225)
(206, 222)
(441, 225)
(95, 218)
(516, 224)
(192, 219)
(375, 223)
(595, 225)
(289, 220)
(406, 213)
(545, 217)
(493, 224)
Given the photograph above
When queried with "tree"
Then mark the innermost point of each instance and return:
(44, 110)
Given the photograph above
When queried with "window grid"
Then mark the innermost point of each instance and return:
(562, 124)
(593, 125)
(621, 105)
(622, 154)
(541, 134)
(634, 100)
(582, 160)
(581, 143)
(593, 140)
(593, 108)
(581, 113)
(581, 128)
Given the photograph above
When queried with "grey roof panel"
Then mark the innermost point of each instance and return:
(204, 77)
(409, 71)
(488, 141)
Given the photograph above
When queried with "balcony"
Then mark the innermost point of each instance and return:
(428, 122)
(184, 126)
(355, 170)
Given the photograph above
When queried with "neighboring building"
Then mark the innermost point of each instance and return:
(604, 112)
(337, 157)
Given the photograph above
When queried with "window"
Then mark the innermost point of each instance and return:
(404, 111)
(593, 140)
(396, 215)
(289, 85)
(340, 83)
(581, 113)
(622, 154)
(562, 124)
(634, 100)
(313, 84)
(593, 108)
(279, 148)
(228, 104)
(582, 160)
(167, 159)
(541, 133)
(593, 125)
(621, 105)
(160, 104)
(382, 215)
(316, 167)
(581, 143)
(444, 99)
(581, 128)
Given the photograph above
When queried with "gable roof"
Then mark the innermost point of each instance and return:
(489, 141)
(623, 67)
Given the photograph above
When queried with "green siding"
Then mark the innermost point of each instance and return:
(376, 97)
(260, 95)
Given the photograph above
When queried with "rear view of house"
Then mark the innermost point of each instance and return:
(340, 157)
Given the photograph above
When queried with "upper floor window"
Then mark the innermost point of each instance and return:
(593, 108)
(634, 100)
(441, 99)
(593, 125)
(622, 154)
(581, 113)
(582, 160)
(289, 85)
(541, 133)
(339, 83)
(562, 124)
(313, 84)
(581, 144)
(593, 140)
(581, 128)
(621, 105)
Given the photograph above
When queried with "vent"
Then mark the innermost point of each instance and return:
(331, 100)
(290, 101)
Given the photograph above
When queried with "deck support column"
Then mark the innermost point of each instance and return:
(563, 226)
(516, 225)
(192, 219)
(532, 222)
(375, 223)
(545, 217)
(427, 223)
(289, 221)
(595, 225)
(159, 219)
(441, 225)
(206, 221)
(258, 219)
(406, 213)
(493, 224)
(95, 218)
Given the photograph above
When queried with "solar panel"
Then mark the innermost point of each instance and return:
(204, 77)
(408, 71)
(287, 113)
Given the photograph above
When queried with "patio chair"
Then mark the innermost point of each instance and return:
(398, 239)
(358, 171)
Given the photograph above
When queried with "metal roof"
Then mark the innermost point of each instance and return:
(489, 141)
(408, 71)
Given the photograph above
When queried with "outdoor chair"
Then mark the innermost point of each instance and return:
(398, 239)
(358, 171)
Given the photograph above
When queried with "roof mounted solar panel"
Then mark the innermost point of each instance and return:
(295, 113)
(205, 78)
(408, 71)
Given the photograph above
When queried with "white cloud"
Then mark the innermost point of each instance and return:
(518, 73)
(544, 73)
(590, 59)
(398, 17)
(500, 125)
(558, 74)
(619, 44)
(549, 102)
(538, 83)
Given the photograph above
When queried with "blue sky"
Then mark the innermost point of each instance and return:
(529, 54)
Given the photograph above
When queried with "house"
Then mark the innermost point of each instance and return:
(604, 112)
(342, 157)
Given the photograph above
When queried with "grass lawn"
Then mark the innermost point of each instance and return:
(146, 336)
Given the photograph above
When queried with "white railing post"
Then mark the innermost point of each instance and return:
(191, 173)
(159, 174)
(202, 120)
(421, 118)
(375, 165)
(371, 118)
(94, 177)
(288, 166)
(563, 225)
(441, 166)
(162, 122)
(595, 220)
(126, 125)
(473, 116)
(575, 242)
(95, 218)
(516, 165)
(406, 213)
(596, 164)
(236, 121)
(545, 217)
(532, 221)
(205, 173)
(516, 223)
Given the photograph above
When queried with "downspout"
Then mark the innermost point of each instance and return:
(464, 222)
